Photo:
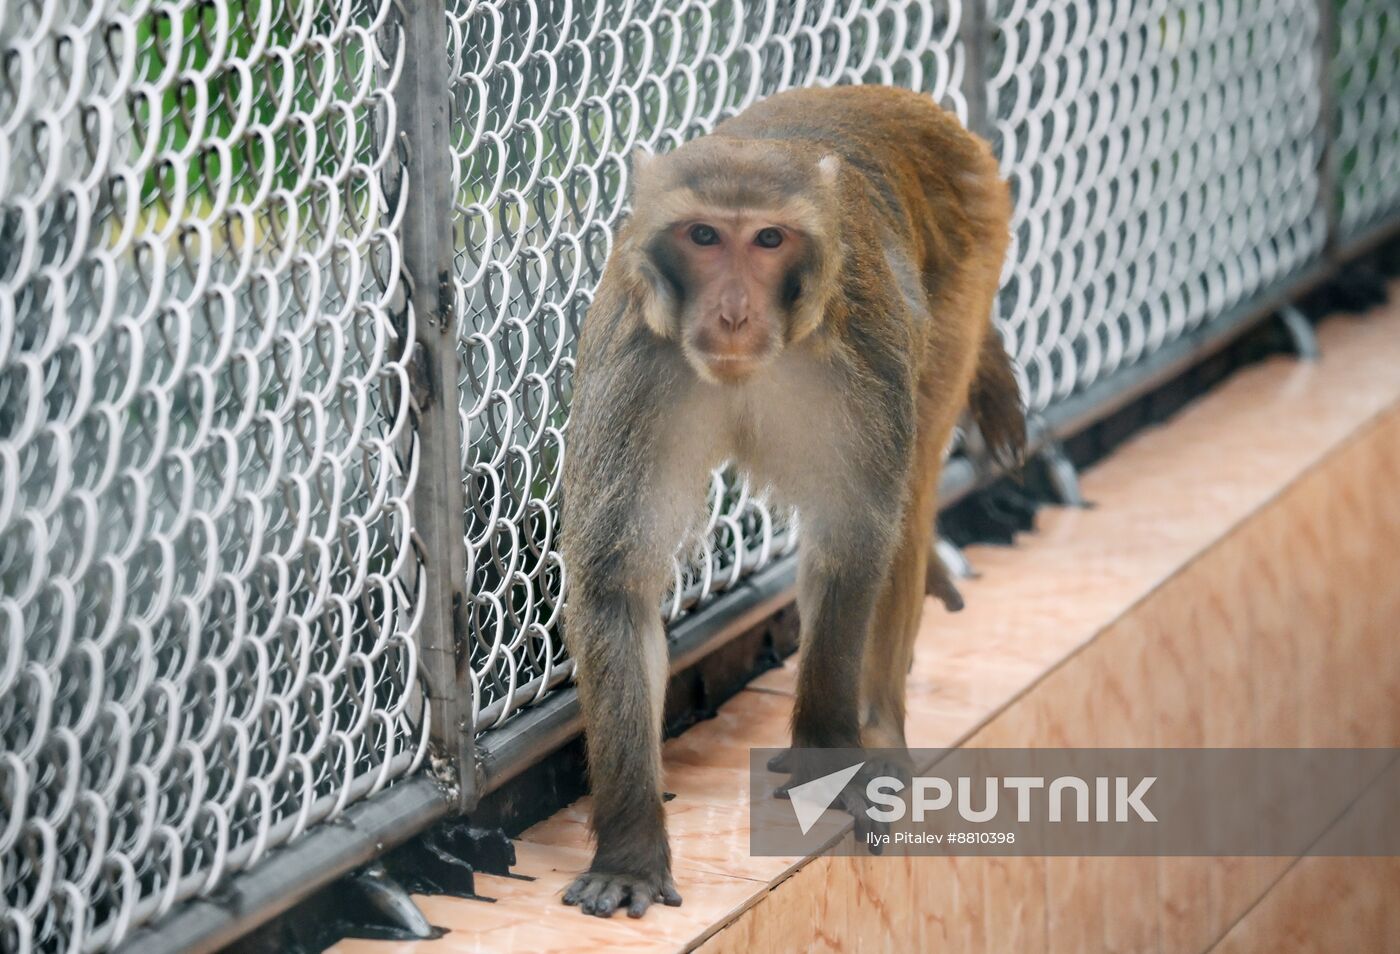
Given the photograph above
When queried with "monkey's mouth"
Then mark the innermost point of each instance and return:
(728, 367)
(727, 359)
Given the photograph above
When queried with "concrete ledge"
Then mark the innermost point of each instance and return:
(1236, 584)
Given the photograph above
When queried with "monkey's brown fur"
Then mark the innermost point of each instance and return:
(881, 334)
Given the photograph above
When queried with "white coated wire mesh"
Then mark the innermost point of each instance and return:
(1163, 156)
(549, 100)
(205, 648)
(207, 606)
(1366, 84)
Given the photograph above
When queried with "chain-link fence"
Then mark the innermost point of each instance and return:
(1164, 161)
(206, 646)
(213, 329)
(549, 99)
(1365, 81)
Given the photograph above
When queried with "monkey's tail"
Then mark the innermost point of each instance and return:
(995, 402)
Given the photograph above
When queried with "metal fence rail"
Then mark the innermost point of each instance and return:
(247, 249)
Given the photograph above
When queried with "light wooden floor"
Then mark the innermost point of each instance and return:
(1237, 583)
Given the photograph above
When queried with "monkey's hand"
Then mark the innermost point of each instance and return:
(601, 893)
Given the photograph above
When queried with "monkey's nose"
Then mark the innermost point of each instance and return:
(733, 321)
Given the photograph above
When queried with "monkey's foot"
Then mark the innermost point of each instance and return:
(808, 765)
(600, 893)
(894, 760)
(888, 755)
(892, 763)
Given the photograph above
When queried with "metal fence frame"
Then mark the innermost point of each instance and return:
(441, 504)
(464, 766)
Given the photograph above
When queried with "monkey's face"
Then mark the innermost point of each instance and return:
(735, 247)
(734, 278)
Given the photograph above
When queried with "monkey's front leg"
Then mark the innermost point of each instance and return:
(836, 599)
(838, 585)
(620, 652)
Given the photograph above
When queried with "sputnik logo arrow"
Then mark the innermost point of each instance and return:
(811, 799)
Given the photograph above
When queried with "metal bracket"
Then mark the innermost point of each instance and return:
(1064, 478)
(1301, 333)
(447, 858)
(976, 37)
(945, 564)
(382, 907)
(957, 563)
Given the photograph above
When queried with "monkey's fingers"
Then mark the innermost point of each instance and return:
(607, 899)
(586, 890)
(577, 890)
(802, 770)
(644, 892)
(591, 896)
(601, 894)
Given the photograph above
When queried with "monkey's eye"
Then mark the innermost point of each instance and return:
(704, 235)
(768, 238)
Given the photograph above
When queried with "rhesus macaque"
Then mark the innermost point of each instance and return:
(806, 292)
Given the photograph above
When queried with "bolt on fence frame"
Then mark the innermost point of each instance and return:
(439, 501)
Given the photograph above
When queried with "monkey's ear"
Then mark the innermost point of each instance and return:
(829, 167)
(640, 160)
